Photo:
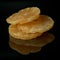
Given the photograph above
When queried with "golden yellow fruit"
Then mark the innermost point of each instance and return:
(23, 16)
(40, 25)
(14, 32)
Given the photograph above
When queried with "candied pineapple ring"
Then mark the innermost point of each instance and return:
(40, 25)
(28, 23)
(14, 32)
(23, 16)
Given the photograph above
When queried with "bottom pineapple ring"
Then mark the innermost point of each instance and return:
(14, 32)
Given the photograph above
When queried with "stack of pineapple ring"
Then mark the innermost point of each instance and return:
(27, 23)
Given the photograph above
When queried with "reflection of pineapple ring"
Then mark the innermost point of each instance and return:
(42, 24)
(24, 49)
(24, 16)
(14, 32)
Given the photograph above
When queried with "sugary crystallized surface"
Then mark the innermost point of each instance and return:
(13, 31)
(40, 25)
(23, 16)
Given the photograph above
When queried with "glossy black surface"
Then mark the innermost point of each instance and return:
(8, 8)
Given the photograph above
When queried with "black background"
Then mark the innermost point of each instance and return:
(9, 7)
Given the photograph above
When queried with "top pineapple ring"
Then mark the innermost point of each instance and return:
(23, 16)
